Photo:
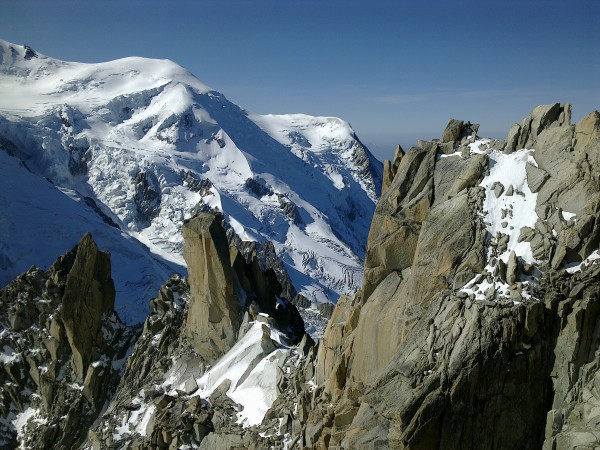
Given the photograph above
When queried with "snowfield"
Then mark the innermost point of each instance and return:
(145, 142)
(247, 374)
(509, 206)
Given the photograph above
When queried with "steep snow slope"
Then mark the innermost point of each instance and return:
(40, 221)
(148, 142)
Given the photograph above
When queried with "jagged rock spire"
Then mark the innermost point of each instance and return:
(214, 314)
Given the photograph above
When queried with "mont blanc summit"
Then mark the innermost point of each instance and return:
(131, 147)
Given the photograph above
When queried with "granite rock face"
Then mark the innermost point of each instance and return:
(458, 338)
(163, 399)
(89, 296)
(214, 312)
(74, 376)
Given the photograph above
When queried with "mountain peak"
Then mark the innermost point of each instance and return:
(136, 136)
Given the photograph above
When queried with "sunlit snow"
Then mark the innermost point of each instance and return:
(140, 115)
(519, 208)
(503, 214)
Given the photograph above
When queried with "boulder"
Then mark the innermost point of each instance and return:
(535, 177)
(190, 386)
(224, 441)
(512, 268)
(457, 130)
(542, 117)
(93, 385)
(452, 131)
(498, 189)
(512, 138)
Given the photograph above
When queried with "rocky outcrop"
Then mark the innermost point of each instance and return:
(369, 169)
(467, 371)
(173, 417)
(70, 370)
(214, 312)
(458, 338)
(456, 130)
(398, 218)
(163, 399)
(89, 297)
(79, 156)
(62, 350)
(403, 207)
(269, 261)
(390, 168)
(147, 197)
(574, 417)
(477, 325)
(195, 184)
(223, 284)
(89, 201)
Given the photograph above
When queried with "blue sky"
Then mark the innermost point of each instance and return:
(396, 70)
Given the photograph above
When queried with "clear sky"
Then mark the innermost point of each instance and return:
(396, 70)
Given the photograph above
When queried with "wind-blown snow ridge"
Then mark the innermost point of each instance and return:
(252, 374)
(247, 374)
(148, 142)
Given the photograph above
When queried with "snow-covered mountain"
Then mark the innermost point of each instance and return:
(127, 149)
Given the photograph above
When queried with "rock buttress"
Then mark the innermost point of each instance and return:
(66, 349)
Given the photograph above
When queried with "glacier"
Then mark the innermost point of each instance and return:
(128, 149)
